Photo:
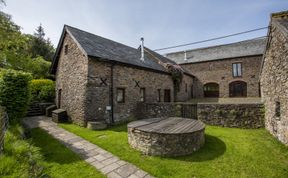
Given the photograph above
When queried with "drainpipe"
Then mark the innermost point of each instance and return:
(112, 93)
(142, 49)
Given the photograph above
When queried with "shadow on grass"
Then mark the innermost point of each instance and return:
(51, 149)
(122, 127)
(213, 148)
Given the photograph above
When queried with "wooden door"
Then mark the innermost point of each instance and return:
(238, 89)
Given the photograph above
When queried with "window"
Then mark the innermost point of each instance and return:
(159, 95)
(120, 95)
(66, 49)
(167, 96)
(237, 69)
(142, 94)
(277, 109)
(211, 90)
(186, 87)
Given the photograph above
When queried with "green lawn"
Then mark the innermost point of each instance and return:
(228, 152)
(54, 158)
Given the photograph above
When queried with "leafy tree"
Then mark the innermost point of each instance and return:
(15, 49)
(13, 45)
(41, 46)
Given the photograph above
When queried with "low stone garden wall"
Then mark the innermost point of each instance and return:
(157, 110)
(227, 115)
(232, 115)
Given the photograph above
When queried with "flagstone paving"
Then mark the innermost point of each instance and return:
(104, 161)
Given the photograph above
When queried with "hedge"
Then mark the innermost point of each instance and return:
(15, 92)
(42, 90)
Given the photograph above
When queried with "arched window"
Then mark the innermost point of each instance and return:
(238, 89)
(211, 90)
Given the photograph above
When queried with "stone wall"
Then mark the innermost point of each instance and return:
(157, 110)
(131, 79)
(220, 72)
(72, 80)
(274, 82)
(232, 115)
(227, 115)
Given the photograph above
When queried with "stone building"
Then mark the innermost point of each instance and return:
(274, 77)
(101, 80)
(230, 70)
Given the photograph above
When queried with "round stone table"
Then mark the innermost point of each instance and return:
(173, 136)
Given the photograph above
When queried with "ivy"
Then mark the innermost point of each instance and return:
(176, 74)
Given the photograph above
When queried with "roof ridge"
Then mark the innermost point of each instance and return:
(65, 25)
(227, 44)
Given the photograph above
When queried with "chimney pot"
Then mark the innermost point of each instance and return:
(142, 49)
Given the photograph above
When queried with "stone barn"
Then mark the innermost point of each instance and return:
(229, 70)
(98, 79)
(274, 77)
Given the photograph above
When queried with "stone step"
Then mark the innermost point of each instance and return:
(34, 110)
(34, 114)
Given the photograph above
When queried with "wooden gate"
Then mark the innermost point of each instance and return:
(189, 111)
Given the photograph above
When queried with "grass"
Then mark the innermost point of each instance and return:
(228, 152)
(53, 159)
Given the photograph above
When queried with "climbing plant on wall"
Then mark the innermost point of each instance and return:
(176, 74)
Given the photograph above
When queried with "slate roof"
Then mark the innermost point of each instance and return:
(111, 51)
(238, 49)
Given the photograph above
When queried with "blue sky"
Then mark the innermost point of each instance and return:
(162, 23)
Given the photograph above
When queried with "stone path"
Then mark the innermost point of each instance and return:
(105, 162)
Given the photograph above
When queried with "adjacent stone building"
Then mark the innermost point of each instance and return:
(101, 80)
(230, 70)
(274, 77)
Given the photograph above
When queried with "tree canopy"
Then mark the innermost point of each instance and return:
(39, 46)
(29, 53)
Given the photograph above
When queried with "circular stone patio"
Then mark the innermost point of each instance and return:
(173, 136)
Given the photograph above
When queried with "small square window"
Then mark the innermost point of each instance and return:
(66, 49)
(237, 69)
(120, 95)
(277, 109)
(142, 94)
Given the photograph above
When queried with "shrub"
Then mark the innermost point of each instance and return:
(43, 90)
(15, 92)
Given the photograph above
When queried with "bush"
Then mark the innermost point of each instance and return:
(15, 92)
(42, 90)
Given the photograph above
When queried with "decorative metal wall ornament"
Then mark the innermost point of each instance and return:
(103, 81)
(137, 83)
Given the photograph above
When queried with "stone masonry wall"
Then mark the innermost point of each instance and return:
(226, 115)
(98, 95)
(72, 79)
(232, 115)
(185, 89)
(274, 84)
(220, 71)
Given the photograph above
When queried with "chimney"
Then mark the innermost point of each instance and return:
(142, 49)
(185, 56)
